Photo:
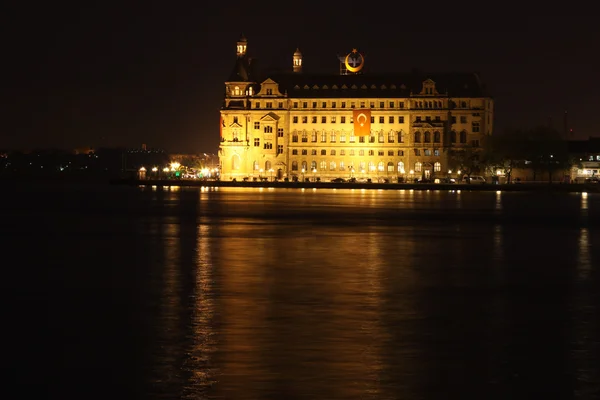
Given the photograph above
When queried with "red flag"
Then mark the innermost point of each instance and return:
(362, 122)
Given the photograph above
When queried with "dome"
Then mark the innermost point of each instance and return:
(297, 53)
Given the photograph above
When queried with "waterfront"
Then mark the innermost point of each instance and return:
(258, 293)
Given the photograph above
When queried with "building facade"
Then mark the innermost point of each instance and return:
(298, 125)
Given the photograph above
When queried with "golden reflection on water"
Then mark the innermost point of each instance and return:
(309, 282)
(200, 356)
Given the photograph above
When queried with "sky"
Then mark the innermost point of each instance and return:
(132, 73)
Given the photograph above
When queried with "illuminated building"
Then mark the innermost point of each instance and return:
(299, 125)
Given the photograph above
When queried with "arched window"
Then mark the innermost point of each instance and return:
(235, 162)
(304, 166)
(255, 165)
(437, 167)
(380, 166)
(236, 91)
(418, 167)
(371, 166)
(437, 137)
(313, 165)
(400, 167)
(463, 137)
(390, 167)
(294, 165)
(417, 137)
(332, 166)
(295, 137)
(427, 137)
(391, 136)
(453, 137)
(323, 165)
(267, 165)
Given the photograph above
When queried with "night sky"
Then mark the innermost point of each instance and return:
(119, 74)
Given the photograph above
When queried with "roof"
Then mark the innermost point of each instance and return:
(592, 145)
(369, 85)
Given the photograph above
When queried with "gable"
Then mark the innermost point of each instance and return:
(270, 117)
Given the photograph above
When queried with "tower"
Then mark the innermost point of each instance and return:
(297, 61)
(241, 46)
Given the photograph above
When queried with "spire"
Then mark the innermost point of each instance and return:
(297, 61)
(241, 46)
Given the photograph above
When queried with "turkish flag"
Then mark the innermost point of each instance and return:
(362, 122)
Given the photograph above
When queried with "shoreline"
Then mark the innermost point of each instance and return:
(520, 187)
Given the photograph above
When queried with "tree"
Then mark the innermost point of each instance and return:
(546, 151)
(505, 151)
(466, 159)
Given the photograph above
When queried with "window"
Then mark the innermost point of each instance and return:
(304, 137)
(361, 152)
(324, 105)
(304, 104)
(463, 119)
(267, 165)
(332, 166)
(280, 104)
(380, 166)
(332, 137)
(342, 152)
(361, 139)
(323, 165)
(295, 152)
(268, 146)
(391, 104)
(380, 153)
(371, 152)
(391, 119)
(391, 136)
(343, 137)
(401, 152)
(323, 120)
(313, 136)
(418, 167)
(463, 137)
(304, 152)
(257, 125)
(426, 152)
(295, 119)
(333, 104)
(342, 166)
(427, 137)
(314, 120)
(304, 166)
(401, 119)
(257, 104)
(391, 153)
(314, 104)
(255, 165)
(333, 120)
(268, 129)
(475, 127)
(294, 165)
(313, 152)
(381, 104)
(269, 104)
(305, 120)
(390, 167)
(401, 167)
(437, 167)
(323, 137)
(295, 104)
(436, 137)
(436, 152)
(381, 120)
(371, 166)
(269, 92)
(417, 137)
(332, 152)
(256, 142)
(279, 132)
(452, 137)
(381, 137)
(279, 149)
(401, 104)
(323, 152)
(343, 104)
(342, 120)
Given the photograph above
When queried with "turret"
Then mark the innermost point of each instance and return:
(297, 61)
(241, 46)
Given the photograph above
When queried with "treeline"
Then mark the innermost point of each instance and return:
(541, 149)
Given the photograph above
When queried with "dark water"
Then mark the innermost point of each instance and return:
(123, 292)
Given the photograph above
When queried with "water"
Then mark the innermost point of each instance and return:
(126, 292)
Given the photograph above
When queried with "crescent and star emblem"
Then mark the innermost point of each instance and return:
(354, 65)
(361, 115)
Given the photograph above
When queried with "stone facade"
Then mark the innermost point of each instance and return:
(299, 125)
